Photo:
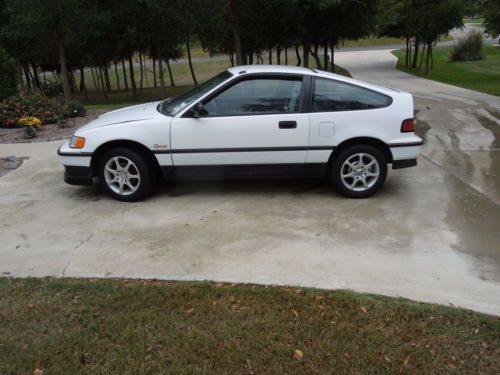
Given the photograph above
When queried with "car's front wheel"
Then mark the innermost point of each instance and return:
(359, 171)
(125, 174)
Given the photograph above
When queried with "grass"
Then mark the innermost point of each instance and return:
(483, 75)
(475, 21)
(70, 326)
(381, 41)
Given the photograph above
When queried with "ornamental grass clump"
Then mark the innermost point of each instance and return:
(468, 48)
(31, 125)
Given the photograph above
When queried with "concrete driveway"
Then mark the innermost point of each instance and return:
(431, 234)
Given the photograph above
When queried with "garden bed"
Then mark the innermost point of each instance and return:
(48, 132)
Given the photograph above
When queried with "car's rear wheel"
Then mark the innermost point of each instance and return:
(125, 174)
(359, 171)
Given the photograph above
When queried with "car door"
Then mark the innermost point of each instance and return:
(254, 125)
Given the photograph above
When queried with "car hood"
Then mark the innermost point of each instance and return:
(135, 113)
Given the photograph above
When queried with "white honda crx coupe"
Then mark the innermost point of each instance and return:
(251, 121)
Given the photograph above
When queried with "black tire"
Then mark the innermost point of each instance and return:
(140, 167)
(368, 183)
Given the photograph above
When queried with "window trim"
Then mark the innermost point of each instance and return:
(313, 88)
(251, 76)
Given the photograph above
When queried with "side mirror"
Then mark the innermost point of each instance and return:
(198, 110)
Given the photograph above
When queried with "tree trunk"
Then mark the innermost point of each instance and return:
(231, 59)
(278, 54)
(325, 57)
(142, 72)
(415, 56)
(286, 55)
(332, 57)
(103, 84)
(27, 77)
(96, 85)
(188, 47)
(154, 72)
(270, 56)
(22, 83)
(83, 87)
(106, 77)
(72, 80)
(117, 76)
(162, 81)
(64, 67)
(315, 55)
(422, 56)
(170, 75)
(299, 60)
(124, 74)
(233, 4)
(407, 53)
(427, 59)
(306, 46)
(35, 76)
(132, 77)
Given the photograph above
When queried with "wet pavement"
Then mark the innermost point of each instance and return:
(431, 234)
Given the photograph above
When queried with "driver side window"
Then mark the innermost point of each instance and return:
(257, 96)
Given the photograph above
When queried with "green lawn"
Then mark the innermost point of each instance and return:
(70, 326)
(477, 21)
(483, 75)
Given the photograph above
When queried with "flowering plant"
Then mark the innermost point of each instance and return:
(30, 122)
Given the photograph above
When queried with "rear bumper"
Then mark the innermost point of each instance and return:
(77, 175)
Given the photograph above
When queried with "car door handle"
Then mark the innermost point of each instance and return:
(288, 124)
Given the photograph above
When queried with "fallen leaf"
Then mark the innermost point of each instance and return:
(232, 299)
(485, 345)
(38, 372)
(347, 355)
(298, 355)
(294, 312)
(476, 331)
(407, 360)
(30, 305)
(387, 359)
(190, 310)
(364, 310)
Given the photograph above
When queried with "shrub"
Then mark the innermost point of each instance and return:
(75, 109)
(469, 47)
(49, 111)
(8, 75)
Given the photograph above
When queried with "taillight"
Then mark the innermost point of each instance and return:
(408, 126)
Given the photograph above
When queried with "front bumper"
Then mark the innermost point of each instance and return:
(398, 164)
(75, 175)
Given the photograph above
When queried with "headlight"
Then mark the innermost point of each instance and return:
(76, 142)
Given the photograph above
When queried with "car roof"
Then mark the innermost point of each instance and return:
(270, 69)
(287, 69)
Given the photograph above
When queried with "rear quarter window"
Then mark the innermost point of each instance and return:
(334, 96)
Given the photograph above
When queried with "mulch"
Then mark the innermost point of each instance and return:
(48, 132)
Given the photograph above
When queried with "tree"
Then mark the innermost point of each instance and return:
(491, 12)
(48, 27)
(235, 23)
(421, 22)
(8, 75)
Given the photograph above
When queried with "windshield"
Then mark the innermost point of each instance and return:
(173, 106)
